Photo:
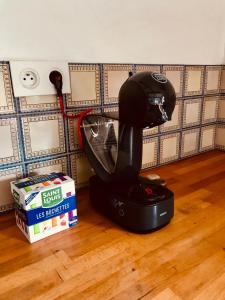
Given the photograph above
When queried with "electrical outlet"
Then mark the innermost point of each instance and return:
(31, 78)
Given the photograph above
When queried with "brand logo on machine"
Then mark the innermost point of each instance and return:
(159, 77)
(51, 197)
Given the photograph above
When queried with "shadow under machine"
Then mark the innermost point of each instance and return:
(113, 144)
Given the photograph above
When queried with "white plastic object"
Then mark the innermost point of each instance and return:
(31, 78)
(153, 176)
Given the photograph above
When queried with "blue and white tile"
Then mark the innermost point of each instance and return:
(6, 176)
(114, 76)
(85, 85)
(9, 150)
(175, 122)
(220, 136)
(6, 96)
(114, 108)
(222, 80)
(33, 103)
(194, 77)
(48, 166)
(221, 109)
(169, 147)
(210, 109)
(43, 135)
(150, 131)
(190, 142)
(192, 112)
(212, 79)
(175, 74)
(81, 169)
(149, 152)
(147, 68)
(207, 141)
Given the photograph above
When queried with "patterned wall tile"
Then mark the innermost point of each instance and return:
(150, 131)
(81, 169)
(221, 109)
(85, 85)
(9, 150)
(192, 112)
(212, 79)
(175, 75)
(222, 83)
(220, 137)
(6, 176)
(210, 108)
(149, 152)
(111, 109)
(6, 97)
(169, 147)
(73, 136)
(31, 103)
(43, 135)
(207, 141)
(175, 122)
(48, 166)
(190, 142)
(193, 80)
(114, 76)
(148, 68)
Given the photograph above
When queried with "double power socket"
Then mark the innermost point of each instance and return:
(31, 78)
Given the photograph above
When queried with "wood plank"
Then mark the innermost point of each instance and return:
(166, 294)
(213, 291)
(29, 290)
(99, 260)
(148, 256)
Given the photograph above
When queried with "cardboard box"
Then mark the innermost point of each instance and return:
(45, 205)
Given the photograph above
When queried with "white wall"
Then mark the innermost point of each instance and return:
(135, 31)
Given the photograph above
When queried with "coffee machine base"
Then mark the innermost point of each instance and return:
(142, 206)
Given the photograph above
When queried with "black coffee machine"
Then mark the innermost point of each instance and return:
(113, 144)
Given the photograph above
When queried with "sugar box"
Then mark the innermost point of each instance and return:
(45, 204)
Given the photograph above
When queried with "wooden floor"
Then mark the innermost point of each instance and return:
(99, 260)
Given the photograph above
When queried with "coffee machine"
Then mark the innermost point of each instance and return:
(113, 145)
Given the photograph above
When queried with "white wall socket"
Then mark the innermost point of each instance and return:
(31, 78)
